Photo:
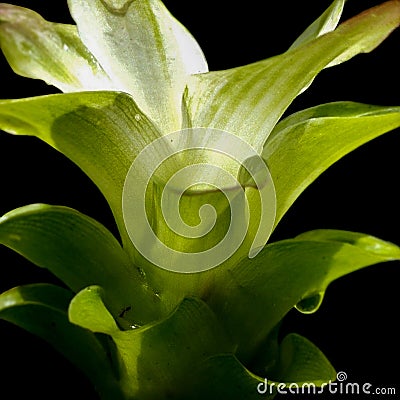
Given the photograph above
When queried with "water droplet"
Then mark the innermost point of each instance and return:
(138, 117)
(311, 303)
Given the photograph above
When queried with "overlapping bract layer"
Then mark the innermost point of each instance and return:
(133, 74)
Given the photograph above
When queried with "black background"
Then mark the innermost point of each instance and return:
(356, 325)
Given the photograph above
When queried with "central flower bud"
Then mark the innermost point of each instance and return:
(201, 197)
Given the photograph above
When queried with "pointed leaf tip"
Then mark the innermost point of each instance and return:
(36, 48)
(262, 91)
(327, 22)
(312, 140)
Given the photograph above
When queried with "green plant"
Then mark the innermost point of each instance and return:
(189, 321)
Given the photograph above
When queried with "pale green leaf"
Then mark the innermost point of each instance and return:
(300, 361)
(327, 22)
(88, 310)
(52, 52)
(248, 101)
(151, 366)
(312, 140)
(223, 376)
(101, 132)
(286, 273)
(80, 252)
(41, 310)
(144, 50)
(367, 243)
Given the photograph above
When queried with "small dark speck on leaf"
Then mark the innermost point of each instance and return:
(124, 311)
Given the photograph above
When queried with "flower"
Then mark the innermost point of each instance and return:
(164, 138)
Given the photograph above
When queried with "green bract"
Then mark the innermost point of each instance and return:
(136, 83)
